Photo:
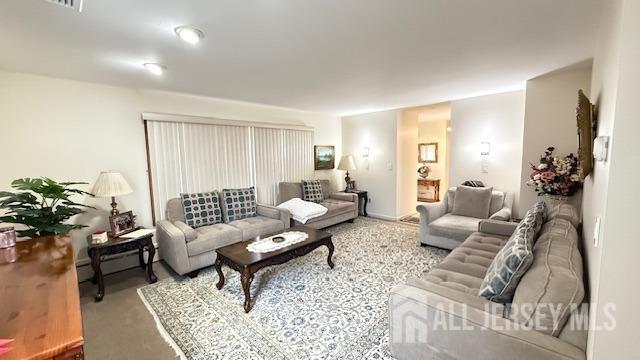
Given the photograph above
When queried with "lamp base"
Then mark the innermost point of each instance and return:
(114, 207)
(346, 181)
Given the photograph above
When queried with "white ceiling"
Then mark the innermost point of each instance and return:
(336, 56)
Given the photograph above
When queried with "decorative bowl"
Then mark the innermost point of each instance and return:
(277, 239)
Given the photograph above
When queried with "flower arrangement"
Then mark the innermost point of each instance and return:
(556, 176)
(424, 170)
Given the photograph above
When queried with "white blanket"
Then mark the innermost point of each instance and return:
(303, 211)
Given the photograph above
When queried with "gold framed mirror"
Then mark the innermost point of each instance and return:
(428, 152)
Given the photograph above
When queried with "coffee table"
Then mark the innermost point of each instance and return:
(247, 263)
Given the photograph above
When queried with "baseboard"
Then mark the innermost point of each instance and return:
(382, 217)
(122, 262)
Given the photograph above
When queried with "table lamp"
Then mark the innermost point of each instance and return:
(111, 184)
(347, 163)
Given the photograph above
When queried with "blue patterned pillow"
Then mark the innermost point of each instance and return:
(201, 209)
(239, 203)
(514, 259)
(312, 191)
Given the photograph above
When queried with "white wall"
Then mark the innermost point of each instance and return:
(71, 130)
(377, 174)
(550, 119)
(406, 158)
(497, 119)
(611, 191)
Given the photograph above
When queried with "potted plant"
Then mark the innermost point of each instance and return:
(42, 205)
(557, 178)
(423, 171)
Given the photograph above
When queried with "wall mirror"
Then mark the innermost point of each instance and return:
(428, 152)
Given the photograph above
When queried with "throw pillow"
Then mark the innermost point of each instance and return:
(201, 209)
(312, 191)
(473, 183)
(472, 202)
(512, 261)
(239, 203)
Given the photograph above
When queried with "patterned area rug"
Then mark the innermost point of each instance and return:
(302, 309)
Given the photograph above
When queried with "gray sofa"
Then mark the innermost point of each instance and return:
(439, 227)
(342, 206)
(480, 329)
(187, 250)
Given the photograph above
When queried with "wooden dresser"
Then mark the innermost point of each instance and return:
(39, 300)
(429, 190)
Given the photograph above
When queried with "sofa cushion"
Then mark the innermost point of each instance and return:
(564, 211)
(496, 203)
(453, 226)
(334, 207)
(212, 237)
(201, 209)
(553, 283)
(238, 203)
(512, 261)
(257, 226)
(312, 191)
(472, 202)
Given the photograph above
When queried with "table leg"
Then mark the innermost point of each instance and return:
(330, 246)
(246, 278)
(97, 273)
(218, 266)
(151, 277)
(364, 208)
(141, 257)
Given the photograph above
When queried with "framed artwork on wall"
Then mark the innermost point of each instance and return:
(324, 157)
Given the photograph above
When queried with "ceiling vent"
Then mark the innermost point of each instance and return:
(69, 4)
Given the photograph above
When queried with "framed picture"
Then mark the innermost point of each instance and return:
(122, 223)
(587, 131)
(351, 185)
(324, 157)
(428, 153)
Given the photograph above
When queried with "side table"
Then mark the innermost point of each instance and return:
(118, 245)
(363, 198)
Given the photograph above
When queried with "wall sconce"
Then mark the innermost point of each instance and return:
(485, 148)
(364, 152)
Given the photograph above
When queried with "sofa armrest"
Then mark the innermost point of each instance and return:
(430, 212)
(426, 322)
(503, 214)
(275, 213)
(172, 246)
(189, 233)
(344, 196)
(497, 227)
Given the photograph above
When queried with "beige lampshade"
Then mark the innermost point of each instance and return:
(111, 183)
(347, 163)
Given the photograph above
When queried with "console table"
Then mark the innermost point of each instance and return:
(40, 303)
(363, 199)
(424, 194)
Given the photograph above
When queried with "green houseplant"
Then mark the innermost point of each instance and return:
(42, 205)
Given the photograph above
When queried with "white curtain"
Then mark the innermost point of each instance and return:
(191, 157)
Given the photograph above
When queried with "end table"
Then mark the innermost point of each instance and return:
(118, 245)
(362, 197)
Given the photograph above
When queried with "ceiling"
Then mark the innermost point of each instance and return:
(334, 56)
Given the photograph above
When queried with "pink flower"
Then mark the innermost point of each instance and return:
(547, 176)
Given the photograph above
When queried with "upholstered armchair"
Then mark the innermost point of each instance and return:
(446, 224)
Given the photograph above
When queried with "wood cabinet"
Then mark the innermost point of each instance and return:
(40, 303)
(429, 190)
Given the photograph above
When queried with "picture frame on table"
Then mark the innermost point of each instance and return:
(122, 223)
(351, 185)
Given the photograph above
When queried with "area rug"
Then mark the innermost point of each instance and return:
(302, 309)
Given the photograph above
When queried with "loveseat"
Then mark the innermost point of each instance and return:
(441, 226)
(188, 249)
(342, 206)
(441, 315)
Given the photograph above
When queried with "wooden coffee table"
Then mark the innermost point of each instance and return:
(247, 263)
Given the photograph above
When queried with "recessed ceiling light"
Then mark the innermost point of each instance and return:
(154, 68)
(189, 34)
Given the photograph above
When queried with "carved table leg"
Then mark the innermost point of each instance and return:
(330, 246)
(364, 208)
(97, 273)
(246, 278)
(218, 266)
(151, 277)
(141, 257)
